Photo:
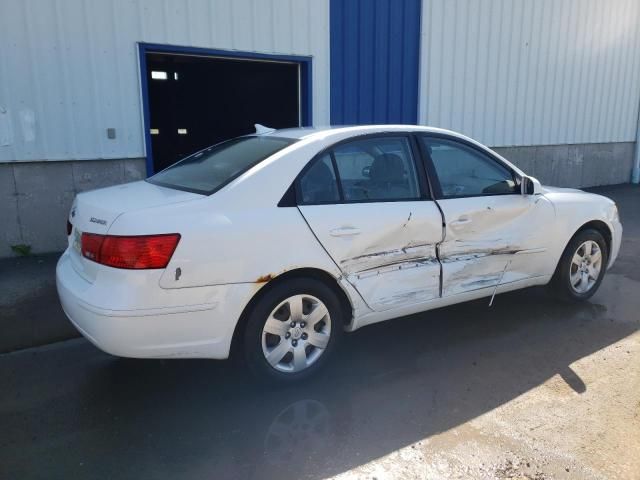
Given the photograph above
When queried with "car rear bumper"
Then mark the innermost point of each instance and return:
(186, 330)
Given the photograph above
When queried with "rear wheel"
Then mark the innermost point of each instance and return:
(292, 330)
(582, 266)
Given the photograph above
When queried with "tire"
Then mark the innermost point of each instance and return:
(569, 277)
(299, 351)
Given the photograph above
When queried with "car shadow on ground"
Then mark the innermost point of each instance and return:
(390, 385)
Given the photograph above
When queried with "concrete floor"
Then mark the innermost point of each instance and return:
(30, 313)
(530, 388)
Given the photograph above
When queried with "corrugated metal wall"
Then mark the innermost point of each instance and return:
(69, 68)
(524, 72)
(507, 72)
(375, 60)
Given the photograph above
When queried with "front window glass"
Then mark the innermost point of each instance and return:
(463, 171)
(210, 169)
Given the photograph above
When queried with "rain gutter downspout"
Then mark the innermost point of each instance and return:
(635, 172)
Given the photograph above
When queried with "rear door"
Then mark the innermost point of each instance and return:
(366, 202)
(492, 233)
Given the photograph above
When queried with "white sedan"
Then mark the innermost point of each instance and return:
(271, 245)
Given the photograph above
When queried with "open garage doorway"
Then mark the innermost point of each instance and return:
(194, 98)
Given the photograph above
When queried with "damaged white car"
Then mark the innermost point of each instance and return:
(271, 245)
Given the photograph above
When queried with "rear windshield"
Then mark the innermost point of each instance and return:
(212, 168)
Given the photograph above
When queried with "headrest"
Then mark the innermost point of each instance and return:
(387, 167)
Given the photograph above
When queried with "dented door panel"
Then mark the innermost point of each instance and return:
(386, 250)
(493, 238)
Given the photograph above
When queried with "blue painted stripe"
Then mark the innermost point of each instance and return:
(375, 59)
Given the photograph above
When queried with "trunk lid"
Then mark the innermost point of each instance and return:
(95, 212)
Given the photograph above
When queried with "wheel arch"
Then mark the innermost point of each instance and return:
(597, 225)
(271, 282)
(600, 227)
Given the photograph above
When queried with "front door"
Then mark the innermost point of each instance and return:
(366, 202)
(493, 233)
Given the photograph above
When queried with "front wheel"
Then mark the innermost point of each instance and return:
(582, 266)
(292, 330)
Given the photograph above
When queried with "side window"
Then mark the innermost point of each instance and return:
(377, 169)
(463, 171)
(318, 184)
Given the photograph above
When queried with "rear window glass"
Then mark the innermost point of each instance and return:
(210, 169)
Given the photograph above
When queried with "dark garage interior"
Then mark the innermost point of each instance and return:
(196, 101)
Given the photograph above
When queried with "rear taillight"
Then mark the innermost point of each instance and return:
(135, 252)
(91, 244)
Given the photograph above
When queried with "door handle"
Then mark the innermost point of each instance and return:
(344, 231)
(461, 221)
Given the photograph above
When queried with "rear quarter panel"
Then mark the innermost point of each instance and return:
(234, 246)
(230, 246)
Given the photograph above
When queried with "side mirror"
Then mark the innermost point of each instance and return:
(530, 186)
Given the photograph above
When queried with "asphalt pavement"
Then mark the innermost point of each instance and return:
(529, 388)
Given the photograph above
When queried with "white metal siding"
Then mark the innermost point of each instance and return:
(525, 72)
(69, 68)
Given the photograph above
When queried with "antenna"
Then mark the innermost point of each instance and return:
(262, 130)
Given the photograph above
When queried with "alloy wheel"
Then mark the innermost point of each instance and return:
(296, 333)
(585, 268)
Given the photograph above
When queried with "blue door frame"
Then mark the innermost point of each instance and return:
(144, 48)
(375, 61)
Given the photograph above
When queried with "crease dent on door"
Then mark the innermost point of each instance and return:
(473, 265)
(394, 276)
(499, 243)
(410, 254)
(392, 259)
(398, 279)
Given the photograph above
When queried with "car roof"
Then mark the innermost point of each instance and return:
(346, 131)
(308, 132)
